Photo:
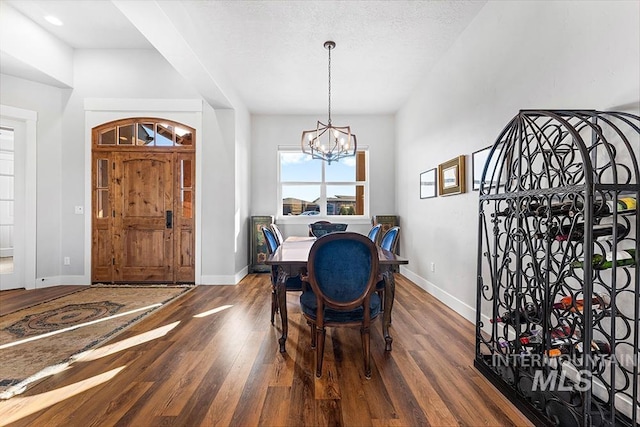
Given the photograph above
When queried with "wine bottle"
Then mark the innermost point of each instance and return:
(598, 347)
(575, 232)
(555, 209)
(533, 337)
(559, 350)
(599, 301)
(523, 315)
(527, 209)
(606, 208)
(534, 208)
(626, 257)
(564, 332)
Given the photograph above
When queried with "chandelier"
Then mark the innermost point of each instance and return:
(328, 142)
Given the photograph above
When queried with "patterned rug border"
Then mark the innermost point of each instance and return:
(23, 385)
(43, 302)
(105, 285)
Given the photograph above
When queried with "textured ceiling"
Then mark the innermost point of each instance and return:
(272, 52)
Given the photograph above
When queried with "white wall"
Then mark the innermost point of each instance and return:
(514, 55)
(268, 132)
(217, 196)
(47, 102)
(242, 190)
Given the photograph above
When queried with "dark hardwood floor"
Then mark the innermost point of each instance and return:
(224, 368)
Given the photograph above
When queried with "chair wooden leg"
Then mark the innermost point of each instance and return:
(274, 305)
(274, 299)
(312, 326)
(366, 347)
(320, 332)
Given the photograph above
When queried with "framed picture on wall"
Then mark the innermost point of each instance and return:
(451, 177)
(428, 184)
(478, 161)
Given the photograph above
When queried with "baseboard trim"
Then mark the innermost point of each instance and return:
(454, 303)
(45, 282)
(223, 280)
(241, 274)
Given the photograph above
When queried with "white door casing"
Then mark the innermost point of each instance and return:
(23, 122)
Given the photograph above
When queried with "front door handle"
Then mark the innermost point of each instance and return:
(169, 219)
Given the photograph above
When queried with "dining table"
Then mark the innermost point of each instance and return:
(293, 254)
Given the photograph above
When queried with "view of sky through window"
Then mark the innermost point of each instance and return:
(301, 168)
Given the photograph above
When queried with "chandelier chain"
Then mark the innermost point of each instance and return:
(329, 49)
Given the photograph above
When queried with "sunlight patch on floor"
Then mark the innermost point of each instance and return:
(213, 311)
(109, 349)
(19, 407)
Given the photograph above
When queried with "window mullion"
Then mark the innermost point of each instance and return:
(323, 191)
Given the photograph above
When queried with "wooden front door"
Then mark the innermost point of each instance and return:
(143, 222)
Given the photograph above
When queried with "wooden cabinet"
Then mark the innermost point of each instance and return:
(557, 328)
(258, 252)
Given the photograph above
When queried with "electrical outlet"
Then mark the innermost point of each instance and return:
(433, 267)
(67, 260)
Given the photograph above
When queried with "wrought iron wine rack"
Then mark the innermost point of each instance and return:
(556, 330)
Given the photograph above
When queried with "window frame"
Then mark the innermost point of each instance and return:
(304, 219)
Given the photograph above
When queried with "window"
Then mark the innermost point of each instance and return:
(149, 133)
(7, 199)
(312, 187)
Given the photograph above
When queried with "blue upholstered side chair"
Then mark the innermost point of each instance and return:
(277, 233)
(374, 233)
(270, 239)
(389, 242)
(343, 270)
(390, 239)
(321, 228)
(316, 225)
(292, 283)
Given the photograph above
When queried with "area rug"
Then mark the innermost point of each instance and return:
(38, 341)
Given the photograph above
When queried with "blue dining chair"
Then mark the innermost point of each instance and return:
(277, 233)
(321, 228)
(374, 233)
(389, 242)
(270, 239)
(342, 272)
(390, 239)
(291, 284)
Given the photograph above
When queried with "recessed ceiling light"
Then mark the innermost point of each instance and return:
(53, 20)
